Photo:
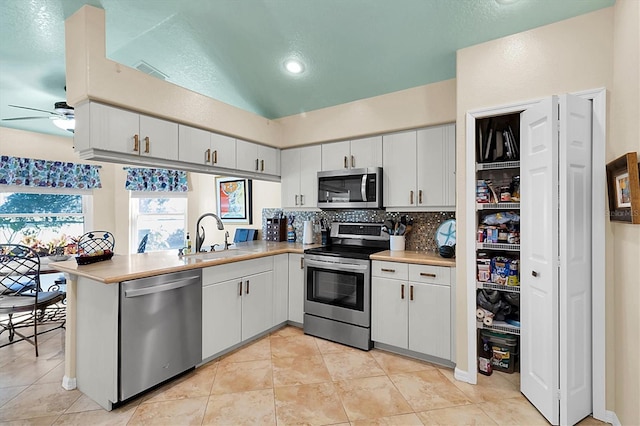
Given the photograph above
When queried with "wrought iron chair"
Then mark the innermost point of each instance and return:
(22, 301)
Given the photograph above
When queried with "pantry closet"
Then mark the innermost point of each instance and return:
(533, 270)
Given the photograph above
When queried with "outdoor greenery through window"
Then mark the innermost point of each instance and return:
(163, 219)
(42, 221)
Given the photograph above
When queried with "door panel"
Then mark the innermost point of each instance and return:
(575, 254)
(539, 254)
(389, 312)
(430, 319)
(399, 169)
(309, 166)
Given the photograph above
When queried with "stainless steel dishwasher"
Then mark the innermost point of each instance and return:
(160, 329)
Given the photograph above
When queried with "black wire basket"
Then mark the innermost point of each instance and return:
(95, 246)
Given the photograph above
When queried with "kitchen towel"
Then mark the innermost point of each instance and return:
(307, 232)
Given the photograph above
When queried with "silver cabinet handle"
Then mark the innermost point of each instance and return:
(411, 197)
(240, 289)
(136, 143)
(215, 156)
(247, 291)
(207, 155)
(353, 162)
(262, 165)
(296, 199)
(402, 292)
(345, 162)
(420, 197)
(302, 263)
(387, 270)
(302, 199)
(146, 144)
(257, 161)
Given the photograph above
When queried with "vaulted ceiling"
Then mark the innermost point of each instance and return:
(234, 50)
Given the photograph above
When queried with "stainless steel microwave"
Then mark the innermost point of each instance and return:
(350, 189)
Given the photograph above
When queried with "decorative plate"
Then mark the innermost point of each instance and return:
(446, 233)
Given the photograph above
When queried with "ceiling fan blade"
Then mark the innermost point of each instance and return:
(35, 109)
(23, 118)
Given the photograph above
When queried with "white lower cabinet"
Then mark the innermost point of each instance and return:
(296, 287)
(237, 303)
(411, 307)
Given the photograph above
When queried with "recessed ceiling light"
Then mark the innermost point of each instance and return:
(294, 66)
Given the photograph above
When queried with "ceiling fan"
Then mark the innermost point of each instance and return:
(62, 115)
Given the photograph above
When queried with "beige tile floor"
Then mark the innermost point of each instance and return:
(284, 378)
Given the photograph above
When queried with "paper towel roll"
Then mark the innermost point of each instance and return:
(307, 232)
(487, 320)
(479, 313)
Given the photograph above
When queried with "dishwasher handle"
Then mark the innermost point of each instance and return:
(171, 285)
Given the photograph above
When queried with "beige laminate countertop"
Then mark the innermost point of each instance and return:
(417, 257)
(134, 266)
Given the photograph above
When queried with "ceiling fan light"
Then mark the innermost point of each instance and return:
(68, 125)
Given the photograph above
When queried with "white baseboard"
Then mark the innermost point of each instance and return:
(612, 418)
(69, 383)
(462, 376)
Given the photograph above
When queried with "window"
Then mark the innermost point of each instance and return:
(41, 218)
(162, 218)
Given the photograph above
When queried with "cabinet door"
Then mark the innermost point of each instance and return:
(449, 177)
(221, 317)
(366, 152)
(269, 160)
(296, 288)
(335, 155)
(223, 151)
(389, 317)
(280, 289)
(290, 178)
(430, 155)
(162, 137)
(246, 156)
(309, 166)
(430, 319)
(194, 145)
(114, 129)
(257, 304)
(399, 168)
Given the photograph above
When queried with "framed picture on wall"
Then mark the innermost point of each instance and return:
(233, 197)
(623, 182)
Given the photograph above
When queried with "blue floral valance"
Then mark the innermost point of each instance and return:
(142, 179)
(48, 174)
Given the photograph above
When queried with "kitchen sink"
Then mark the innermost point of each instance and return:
(218, 254)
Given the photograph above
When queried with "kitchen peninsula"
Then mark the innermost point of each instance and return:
(92, 346)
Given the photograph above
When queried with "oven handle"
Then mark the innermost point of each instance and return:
(336, 265)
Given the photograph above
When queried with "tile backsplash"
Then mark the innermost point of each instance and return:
(421, 237)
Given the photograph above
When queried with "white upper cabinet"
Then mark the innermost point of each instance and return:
(223, 151)
(203, 147)
(335, 155)
(252, 157)
(419, 168)
(436, 154)
(113, 129)
(399, 168)
(299, 179)
(355, 154)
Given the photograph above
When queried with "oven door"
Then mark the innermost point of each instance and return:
(338, 289)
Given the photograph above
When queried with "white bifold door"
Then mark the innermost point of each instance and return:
(555, 338)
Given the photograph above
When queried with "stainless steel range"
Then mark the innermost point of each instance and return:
(337, 293)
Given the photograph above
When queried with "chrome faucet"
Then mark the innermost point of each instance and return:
(200, 237)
